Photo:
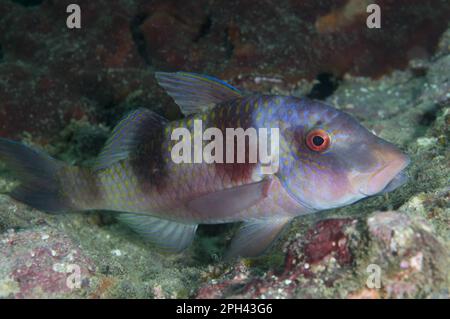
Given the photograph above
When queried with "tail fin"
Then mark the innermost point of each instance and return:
(40, 176)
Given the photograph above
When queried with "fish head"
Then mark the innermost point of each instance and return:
(329, 160)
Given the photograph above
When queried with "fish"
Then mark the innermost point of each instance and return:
(326, 159)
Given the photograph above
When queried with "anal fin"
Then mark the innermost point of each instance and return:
(255, 237)
(167, 235)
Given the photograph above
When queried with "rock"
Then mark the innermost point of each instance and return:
(412, 260)
(81, 74)
(42, 263)
(64, 74)
(311, 261)
(327, 37)
(328, 238)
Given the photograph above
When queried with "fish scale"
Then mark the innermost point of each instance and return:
(326, 160)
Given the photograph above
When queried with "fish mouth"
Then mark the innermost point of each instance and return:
(399, 180)
(389, 177)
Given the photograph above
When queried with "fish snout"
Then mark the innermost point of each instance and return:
(390, 175)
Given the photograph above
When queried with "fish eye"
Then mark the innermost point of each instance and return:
(317, 140)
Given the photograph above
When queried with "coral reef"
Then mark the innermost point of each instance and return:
(65, 89)
(40, 262)
(339, 258)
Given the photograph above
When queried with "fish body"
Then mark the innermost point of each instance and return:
(325, 159)
(151, 181)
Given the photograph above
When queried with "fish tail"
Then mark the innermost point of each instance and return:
(46, 183)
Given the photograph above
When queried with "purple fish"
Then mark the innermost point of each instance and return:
(326, 160)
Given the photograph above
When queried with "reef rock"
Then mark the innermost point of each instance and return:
(410, 260)
(51, 75)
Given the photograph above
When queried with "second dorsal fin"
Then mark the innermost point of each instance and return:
(195, 93)
(135, 128)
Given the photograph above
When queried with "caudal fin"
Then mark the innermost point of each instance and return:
(40, 186)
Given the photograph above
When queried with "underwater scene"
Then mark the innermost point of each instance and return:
(207, 149)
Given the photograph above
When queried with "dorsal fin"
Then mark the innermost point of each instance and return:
(195, 92)
(130, 131)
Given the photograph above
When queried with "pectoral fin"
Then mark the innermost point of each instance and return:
(222, 205)
(255, 237)
(167, 235)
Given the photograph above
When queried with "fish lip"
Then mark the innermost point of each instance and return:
(399, 179)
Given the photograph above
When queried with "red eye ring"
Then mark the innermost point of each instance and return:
(317, 140)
